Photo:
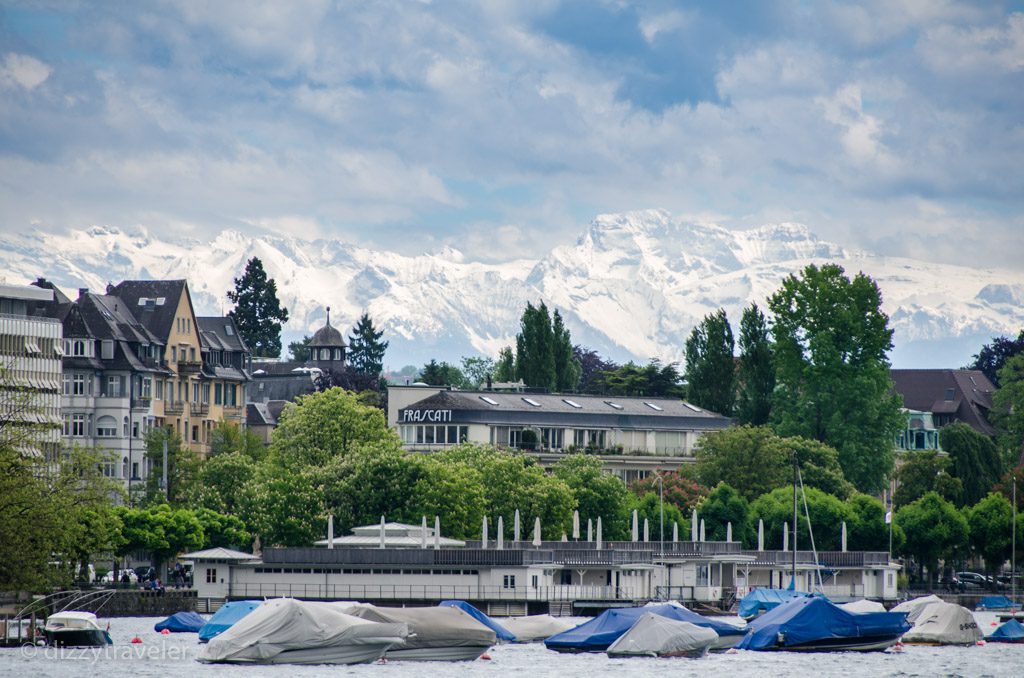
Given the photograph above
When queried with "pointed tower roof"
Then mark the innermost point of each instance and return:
(327, 336)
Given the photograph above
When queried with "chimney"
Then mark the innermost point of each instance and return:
(82, 291)
(110, 288)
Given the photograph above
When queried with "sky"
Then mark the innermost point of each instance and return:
(503, 127)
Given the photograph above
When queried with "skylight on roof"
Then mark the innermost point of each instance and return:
(572, 403)
(489, 401)
(654, 407)
(531, 401)
(693, 407)
(613, 405)
(229, 330)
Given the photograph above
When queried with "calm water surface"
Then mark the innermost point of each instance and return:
(174, 655)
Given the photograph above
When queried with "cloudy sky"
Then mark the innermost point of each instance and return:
(503, 127)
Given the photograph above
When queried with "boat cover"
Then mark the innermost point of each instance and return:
(1011, 631)
(601, 631)
(224, 618)
(535, 627)
(308, 629)
(655, 636)
(761, 600)
(813, 618)
(430, 626)
(996, 603)
(944, 624)
(181, 622)
(916, 606)
(500, 631)
(863, 606)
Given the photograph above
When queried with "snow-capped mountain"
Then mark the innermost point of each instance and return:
(632, 286)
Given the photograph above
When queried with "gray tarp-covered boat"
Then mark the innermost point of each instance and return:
(535, 627)
(943, 624)
(435, 633)
(289, 631)
(655, 636)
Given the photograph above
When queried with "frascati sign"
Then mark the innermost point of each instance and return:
(432, 416)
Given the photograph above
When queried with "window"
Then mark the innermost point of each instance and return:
(693, 407)
(552, 438)
(508, 581)
(124, 426)
(78, 385)
(534, 580)
(488, 400)
(950, 393)
(192, 354)
(218, 398)
(78, 425)
(158, 389)
(206, 394)
(113, 387)
(124, 467)
(67, 384)
(106, 427)
(231, 395)
(195, 434)
(211, 575)
(174, 354)
(615, 406)
(195, 391)
(572, 403)
(107, 349)
(654, 407)
(588, 438)
(531, 402)
(78, 347)
(147, 387)
(229, 330)
(135, 470)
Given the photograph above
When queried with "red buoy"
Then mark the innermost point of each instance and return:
(136, 640)
(166, 632)
(485, 656)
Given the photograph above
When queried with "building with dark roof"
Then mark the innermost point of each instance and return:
(633, 436)
(227, 362)
(948, 395)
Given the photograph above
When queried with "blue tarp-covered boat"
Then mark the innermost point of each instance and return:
(991, 603)
(601, 631)
(813, 623)
(181, 622)
(1008, 632)
(226, 617)
(500, 631)
(760, 601)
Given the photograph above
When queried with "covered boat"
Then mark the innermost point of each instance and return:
(535, 627)
(435, 633)
(1011, 631)
(655, 636)
(760, 600)
(226, 617)
(75, 628)
(500, 631)
(601, 631)
(996, 604)
(943, 624)
(912, 608)
(863, 606)
(290, 631)
(181, 622)
(815, 624)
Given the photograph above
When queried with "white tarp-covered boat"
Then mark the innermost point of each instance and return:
(944, 624)
(289, 631)
(859, 606)
(435, 633)
(655, 636)
(535, 627)
(914, 607)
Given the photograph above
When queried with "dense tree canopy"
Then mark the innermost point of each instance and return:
(597, 493)
(592, 369)
(366, 347)
(442, 374)
(991, 530)
(725, 505)
(544, 356)
(258, 313)
(755, 378)
(681, 491)
(827, 515)
(1009, 409)
(831, 355)
(868, 530)
(648, 506)
(299, 350)
(935, 530)
(922, 472)
(653, 379)
(993, 357)
(710, 366)
(975, 461)
(477, 371)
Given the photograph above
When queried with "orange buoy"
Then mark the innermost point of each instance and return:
(136, 640)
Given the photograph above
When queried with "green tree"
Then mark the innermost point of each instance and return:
(299, 350)
(993, 357)
(922, 472)
(453, 492)
(220, 529)
(710, 366)
(161, 530)
(1008, 413)
(505, 367)
(284, 505)
(831, 345)
(319, 426)
(975, 460)
(182, 468)
(221, 480)
(366, 348)
(722, 506)
(868, 531)
(567, 367)
(258, 313)
(991, 531)
(477, 370)
(229, 438)
(535, 351)
(598, 494)
(935, 531)
(755, 377)
(442, 374)
(681, 491)
(653, 379)
(592, 369)
(374, 480)
(648, 507)
(827, 515)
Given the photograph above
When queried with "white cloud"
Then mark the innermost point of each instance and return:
(21, 70)
(975, 49)
(860, 131)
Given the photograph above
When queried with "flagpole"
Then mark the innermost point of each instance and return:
(1013, 549)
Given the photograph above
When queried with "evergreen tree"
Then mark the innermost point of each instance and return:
(567, 368)
(975, 461)
(258, 313)
(442, 374)
(592, 368)
(992, 357)
(653, 379)
(505, 368)
(365, 348)
(756, 378)
(710, 366)
(832, 370)
(299, 350)
(535, 354)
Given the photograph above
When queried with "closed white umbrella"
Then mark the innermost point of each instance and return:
(515, 526)
(501, 532)
(693, 526)
(590, 530)
(635, 534)
(675, 532)
(844, 536)
(437, 532)
(575, 524)
(599, 532)
(728, 531)
(565, 537)
(382, 531)
(536, 531)
(760, 534)
(702, 529)
(330, 531)
(647, 531)
(483, 534)
(423, 533)
(785, 536)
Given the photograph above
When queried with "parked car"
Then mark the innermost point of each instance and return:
(973, 579)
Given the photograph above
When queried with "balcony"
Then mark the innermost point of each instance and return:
(189, 366)
(174, 407)
(199, 409)
(141, 403)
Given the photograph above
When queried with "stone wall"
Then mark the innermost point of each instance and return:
(136, 603)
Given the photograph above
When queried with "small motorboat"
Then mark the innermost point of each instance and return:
(227, 616)
(655, 636)
(181, 622)
(536, 627)
(75, 628)
(814, 624)
(435, 633)
(996, 604)
(943, 623)
(1008, 632)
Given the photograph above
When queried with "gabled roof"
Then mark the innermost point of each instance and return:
(153, 302)
(220, 333)
(964, 394)
(218, 553)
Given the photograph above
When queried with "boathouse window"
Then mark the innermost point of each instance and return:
(553, 438)
(106, 427)
(211, 575)
(508, 581)
(588, 438)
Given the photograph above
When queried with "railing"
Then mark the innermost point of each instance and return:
(189, 366)
(199, 408)
(141, 403)
(825, 558)
(174, 406)
(428, 592)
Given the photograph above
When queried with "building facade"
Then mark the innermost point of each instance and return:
(632, 436)
(948, 395)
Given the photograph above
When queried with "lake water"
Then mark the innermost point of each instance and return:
(166, 656)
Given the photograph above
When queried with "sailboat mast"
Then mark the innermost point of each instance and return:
(795, 480)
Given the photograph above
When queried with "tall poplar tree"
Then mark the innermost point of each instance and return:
(567, 367)
(365, 348)
(832, 369)
(535, 355)
(258, 312)
(756, 372)
(710, 366)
